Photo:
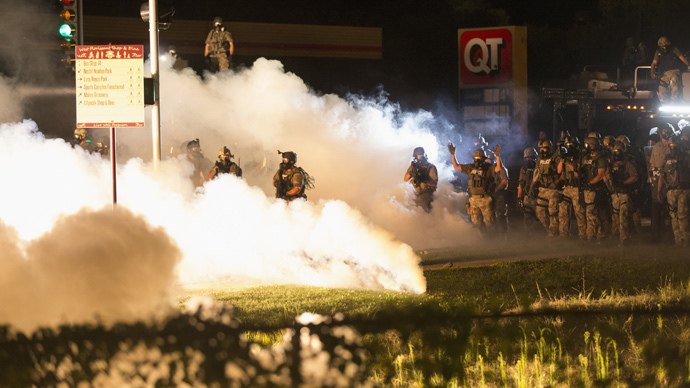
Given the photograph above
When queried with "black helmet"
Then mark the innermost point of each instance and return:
(193, 143)
(290, 156)
(417, 151)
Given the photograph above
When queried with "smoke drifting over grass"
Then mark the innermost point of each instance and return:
(357, 229)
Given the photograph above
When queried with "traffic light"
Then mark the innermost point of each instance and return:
(68, 30)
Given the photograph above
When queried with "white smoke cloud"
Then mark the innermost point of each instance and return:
(358, 228)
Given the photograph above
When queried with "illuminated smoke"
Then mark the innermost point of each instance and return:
(358, 228)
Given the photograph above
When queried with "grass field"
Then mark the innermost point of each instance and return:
(598, 316)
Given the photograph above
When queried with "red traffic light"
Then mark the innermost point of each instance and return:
(68, 3)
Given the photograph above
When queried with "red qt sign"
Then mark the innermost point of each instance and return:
(486, 56)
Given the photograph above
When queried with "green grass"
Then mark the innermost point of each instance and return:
(596, 318)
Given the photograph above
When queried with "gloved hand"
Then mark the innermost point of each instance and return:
(497, 150)
(451, 148)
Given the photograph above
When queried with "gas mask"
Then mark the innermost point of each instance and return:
(544, 153)
(285, 165)
(478, 162)
(664, 49)
(218, 27)
(617, 155)
(664, 135)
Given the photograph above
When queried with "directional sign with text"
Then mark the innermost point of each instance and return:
(110, 86)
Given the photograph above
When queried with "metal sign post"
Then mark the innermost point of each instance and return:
(110, 91)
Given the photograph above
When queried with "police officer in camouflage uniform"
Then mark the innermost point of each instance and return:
(219, 47)
(623, 183)
(424, 177)
(668, 65)
(656, 160)
(569, 170)
(224, 165)
(546, 181)
(291, 181)
(675, 177)
(200, 162)
(593, 169)
(481, 178)
(526, 202)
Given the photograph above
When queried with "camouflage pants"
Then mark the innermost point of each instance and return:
(423, 199)
(548, 199)
(620, 219)
(529, 214)
(593, 222)
(570, 203)
(480, 210)
(678, 201)
(219, 62)
(670, 86)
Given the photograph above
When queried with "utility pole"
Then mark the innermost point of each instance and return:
(155, 108)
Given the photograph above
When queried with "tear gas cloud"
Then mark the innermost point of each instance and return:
(358, 228)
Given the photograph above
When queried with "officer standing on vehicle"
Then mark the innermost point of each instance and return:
(224, 165)
(424, 178)
(219, 47)
(569, 170)
(544, 184)
(481, 178)
(675, 178)
(668, 65)
(593, 169)
(527, 202)
(623, 182)
(290, 180)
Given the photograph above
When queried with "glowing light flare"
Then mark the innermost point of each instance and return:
(67, 30)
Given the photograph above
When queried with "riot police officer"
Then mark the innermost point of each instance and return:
(527, 202)
(291, 181)
(219, 47)
(481, 177)
(424, 177)
(545, 182)
(568, 169)
(675, 178)
(623, 183)
(593, 169)
(224, 165)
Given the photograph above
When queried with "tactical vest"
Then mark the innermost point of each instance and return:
(619, 173)
(425, 172)
(669, 61)
(675, 173)
(548, 171)
(228, 168)
(569, 176)
(478, 179)
(287, 177)
(590, 170)
(527, 176)
(218, 42)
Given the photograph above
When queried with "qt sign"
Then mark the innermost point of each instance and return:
(486, 56)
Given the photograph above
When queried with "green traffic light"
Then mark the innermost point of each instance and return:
(66, 30)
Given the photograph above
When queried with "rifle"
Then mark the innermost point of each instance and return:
(417, 175)
(281, 186)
